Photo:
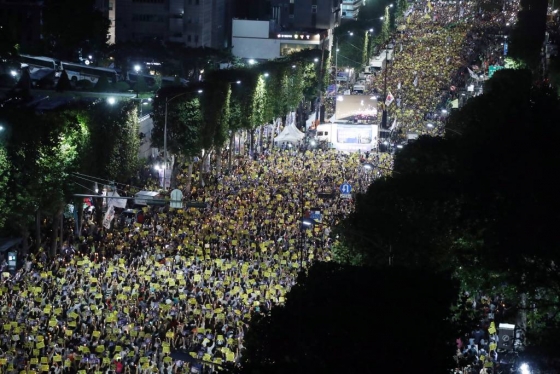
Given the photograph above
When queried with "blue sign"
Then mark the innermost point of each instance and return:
(345, 188)
(316, 215)
(505, 49)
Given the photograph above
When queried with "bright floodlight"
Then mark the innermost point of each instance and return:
(391, 5)
(252, 61)
(313, 143)
(137, 68)
(266, 74)
(316, 59)
(368, 166)
(13, 72)
(400, 146)
(111, 100)
(370, 30)
(430, 125)
(157, 167)
(293, 66)
(444, 111)
(381, 18)
(1, 128)
(199, 91)
(524, 368)
(351, 33)
(238, 82)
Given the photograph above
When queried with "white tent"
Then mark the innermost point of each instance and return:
(290, 134)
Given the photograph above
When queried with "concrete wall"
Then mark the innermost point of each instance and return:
(145, 126)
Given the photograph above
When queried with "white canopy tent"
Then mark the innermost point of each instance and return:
(290, 134)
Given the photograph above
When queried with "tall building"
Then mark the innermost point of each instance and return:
(193, 23)
(306, 14)
(108, 8)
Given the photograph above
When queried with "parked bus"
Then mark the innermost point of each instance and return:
(38, 62)
(77, 72)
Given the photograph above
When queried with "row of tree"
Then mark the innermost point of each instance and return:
(204, 118)
(41, 151)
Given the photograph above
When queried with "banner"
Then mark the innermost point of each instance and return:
(390, 98)
(109, 215)
(117, 203)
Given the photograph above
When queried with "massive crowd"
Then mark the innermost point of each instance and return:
(181, 280)
(179, 286)
(434, 49)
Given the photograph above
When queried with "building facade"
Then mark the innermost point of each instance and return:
(193, 23)
(108, 8)
(351, 8)
(306, 14)
(259, 40)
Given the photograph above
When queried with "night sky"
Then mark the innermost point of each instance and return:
(252, 9)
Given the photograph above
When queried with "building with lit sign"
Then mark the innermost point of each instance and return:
(258, 40)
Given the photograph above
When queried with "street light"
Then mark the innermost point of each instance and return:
(266, 75)
(252, 61)
(111, 100)
(137, 68)
(14, 73)
(167, 101)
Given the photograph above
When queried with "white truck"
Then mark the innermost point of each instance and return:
(377, 64)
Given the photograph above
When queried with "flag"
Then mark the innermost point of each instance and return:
(472, 74)
(394, 125)
(390, 98)
(455, 104)
(415, 83)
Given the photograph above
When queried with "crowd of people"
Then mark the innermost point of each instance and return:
(175, 292)
(436, 48)
(179, 288)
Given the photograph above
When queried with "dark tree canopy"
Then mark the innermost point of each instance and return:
(479, 202)
(345, 319)
(69, 25)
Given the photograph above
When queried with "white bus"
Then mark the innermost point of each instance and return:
(77, 72)
(38, 62)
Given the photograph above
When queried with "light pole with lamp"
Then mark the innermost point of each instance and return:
(167, 101)
(137, 69)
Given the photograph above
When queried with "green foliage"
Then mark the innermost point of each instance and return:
(259, 103)
(63, 83)
(184, 120)
(102, 84)
(42, 150)
(121, 87)
(114, 140)
(332, 316)
(141, 85)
